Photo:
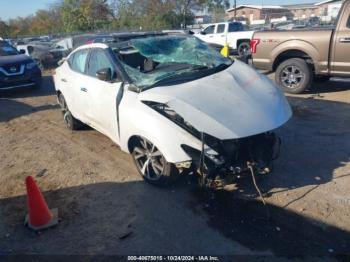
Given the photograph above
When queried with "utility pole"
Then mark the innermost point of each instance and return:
(235, 6)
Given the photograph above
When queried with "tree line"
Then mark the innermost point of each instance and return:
(70, 16)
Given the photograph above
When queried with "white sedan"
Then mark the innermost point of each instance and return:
(175, 104)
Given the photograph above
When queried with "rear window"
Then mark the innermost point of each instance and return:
(235, 27)
(78, 61)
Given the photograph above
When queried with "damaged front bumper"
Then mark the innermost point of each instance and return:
(229, 158)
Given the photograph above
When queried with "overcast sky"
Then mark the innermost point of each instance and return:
(14, 8)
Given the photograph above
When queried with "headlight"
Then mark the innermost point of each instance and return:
(209, 151)
(166, 111)
(31, 65)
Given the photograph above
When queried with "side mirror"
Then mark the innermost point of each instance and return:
(104, 74)
(22, 51)
(203, 33)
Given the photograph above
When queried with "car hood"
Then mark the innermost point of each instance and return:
(234, 103)
(14, 59)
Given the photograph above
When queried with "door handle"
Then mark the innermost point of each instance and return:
(211, 36)
(83, 89)
(64, 80)
(344, 40)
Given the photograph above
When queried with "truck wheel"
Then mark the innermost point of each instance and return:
(243, 49)
(294, 75)
(151, 163)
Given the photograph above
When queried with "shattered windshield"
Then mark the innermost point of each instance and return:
(151, 60)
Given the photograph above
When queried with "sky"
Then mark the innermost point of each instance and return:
(14, 8)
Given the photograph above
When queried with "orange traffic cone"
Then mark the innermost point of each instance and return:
(39, 216)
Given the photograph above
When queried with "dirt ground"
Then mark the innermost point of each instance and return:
(106, 208)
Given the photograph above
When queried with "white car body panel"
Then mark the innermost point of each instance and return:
(221, 39)
(246, 103)
(234, 103)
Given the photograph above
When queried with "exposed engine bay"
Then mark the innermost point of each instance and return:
(234, 157)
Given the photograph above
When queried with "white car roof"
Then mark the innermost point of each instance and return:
(94, 45)
(88, 46)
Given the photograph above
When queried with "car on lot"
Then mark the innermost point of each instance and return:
(45, 55)
(16, 69)
(299, 56)
(175, 104)
(231, 33)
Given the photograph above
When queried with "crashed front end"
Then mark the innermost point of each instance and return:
(219, 160)
(229, 158)
(227, 111)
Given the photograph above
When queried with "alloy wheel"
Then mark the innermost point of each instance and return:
(292, 76)
(149, 160)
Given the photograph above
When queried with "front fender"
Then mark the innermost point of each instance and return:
(300, 45)
(138, 119)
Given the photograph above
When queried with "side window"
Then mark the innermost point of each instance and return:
(348, 23)
(78, 61)
(209, 30)
(99, 60)
(234, 27)
(220, 29)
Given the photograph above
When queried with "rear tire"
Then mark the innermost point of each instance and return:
(294, 75)
(152, 165)
(70, 122)
(243, 49)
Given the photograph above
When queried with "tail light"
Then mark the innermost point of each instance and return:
(253, 44)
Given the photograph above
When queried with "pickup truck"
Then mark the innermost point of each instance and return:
(232, 33)
(300, 56)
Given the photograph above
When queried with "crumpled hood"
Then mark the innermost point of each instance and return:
(14, 60)
(234, 103)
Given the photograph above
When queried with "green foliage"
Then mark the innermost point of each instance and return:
(68, 16)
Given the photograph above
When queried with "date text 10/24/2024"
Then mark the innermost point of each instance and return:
(173, 258)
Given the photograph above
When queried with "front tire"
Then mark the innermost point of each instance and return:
(294, 75)
(70, 122)
(152, 165)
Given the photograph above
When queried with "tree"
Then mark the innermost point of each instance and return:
(85, 15)
(4, 29)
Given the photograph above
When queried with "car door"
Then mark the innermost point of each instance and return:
(74, 80)
(233, 34)
(207, 34)
(220, 35)
(102, 95)
(340, 64)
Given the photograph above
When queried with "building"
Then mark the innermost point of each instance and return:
(329, 8)
(202, 19)
(258, 12)
(301, 11)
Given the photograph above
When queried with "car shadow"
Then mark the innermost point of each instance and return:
(11, 109)
(136, 218)
(47, 88)
(331, 86)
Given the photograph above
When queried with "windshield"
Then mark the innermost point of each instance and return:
(151, 60)
(6, 50)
